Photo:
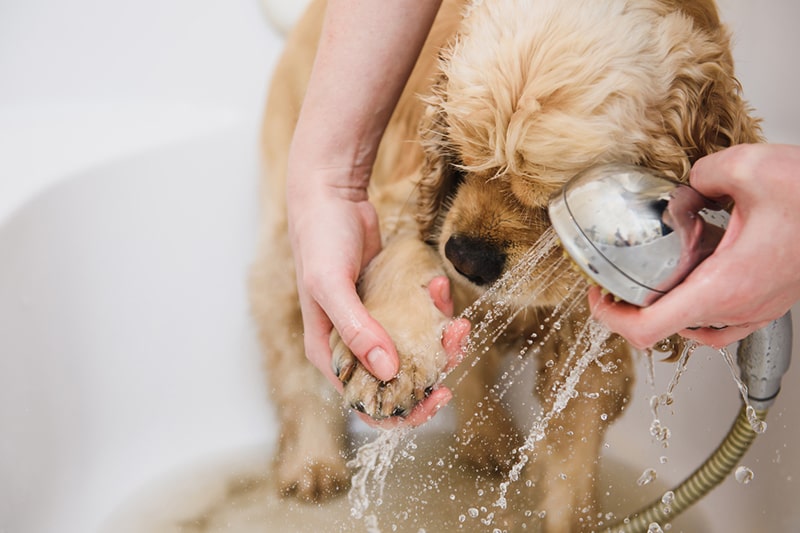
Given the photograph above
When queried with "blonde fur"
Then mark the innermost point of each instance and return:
(509, 99)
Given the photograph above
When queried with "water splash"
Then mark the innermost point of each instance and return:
(373, 462)
(759, 426)
(667, 500)
(658, 430)
(491, 315)
(743, 475)
(594, 335)
(647, 477)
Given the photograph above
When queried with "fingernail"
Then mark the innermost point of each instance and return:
(378, 360)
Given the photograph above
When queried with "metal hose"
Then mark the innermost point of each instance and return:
(710, 474)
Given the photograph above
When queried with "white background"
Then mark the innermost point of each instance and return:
(88, 83)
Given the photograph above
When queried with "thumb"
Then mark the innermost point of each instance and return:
(365, 337)
(723, 174)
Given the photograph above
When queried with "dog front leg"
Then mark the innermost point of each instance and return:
(566, 464)
(310, 459)
(394, 288)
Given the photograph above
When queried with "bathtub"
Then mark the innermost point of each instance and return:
(128, 217)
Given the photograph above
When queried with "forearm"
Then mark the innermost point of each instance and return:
(366, 53)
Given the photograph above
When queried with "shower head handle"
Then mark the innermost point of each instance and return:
(763, 358)
(634, 232)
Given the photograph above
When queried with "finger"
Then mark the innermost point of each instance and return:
(316, 340)
(426, 409)
(365, 337)
(620, 317)
(643, 327)
(718, 175)
(454, 340)
(718, 338)
(439, 289)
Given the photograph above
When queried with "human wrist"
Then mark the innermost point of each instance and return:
(332, 152)
(324, 181)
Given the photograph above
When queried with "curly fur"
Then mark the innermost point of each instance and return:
(510, 98)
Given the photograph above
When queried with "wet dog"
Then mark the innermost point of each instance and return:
(508, 100)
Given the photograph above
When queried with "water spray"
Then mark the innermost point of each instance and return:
(638, 234)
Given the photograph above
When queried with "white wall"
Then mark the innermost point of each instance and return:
(89, 80)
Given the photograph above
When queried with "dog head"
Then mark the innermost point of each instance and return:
(531, 93)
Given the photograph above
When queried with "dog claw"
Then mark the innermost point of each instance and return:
(343, 362)
(399, 411)
(345, 372)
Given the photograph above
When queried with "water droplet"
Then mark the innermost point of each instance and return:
(473, 512)
(654, 528)
(743, 475)
(648, 476)
(604, 416)
(758, 425)
(667, 500)
(663, 459)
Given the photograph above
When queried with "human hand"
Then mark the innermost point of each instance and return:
(453, 338)
(752, 278)
(334, 234)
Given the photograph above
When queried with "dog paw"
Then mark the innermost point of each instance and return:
(312, 480)
(419, 372)
(343, 361)
(489, 445)
(310, 465)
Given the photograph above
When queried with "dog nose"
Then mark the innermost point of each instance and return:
(479, 261)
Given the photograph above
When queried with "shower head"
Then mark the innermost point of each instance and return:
(635, 233)
(763, 358)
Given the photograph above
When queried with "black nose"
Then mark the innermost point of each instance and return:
(479, 261)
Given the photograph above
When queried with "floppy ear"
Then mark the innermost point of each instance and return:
(441, 172)
(705, 111)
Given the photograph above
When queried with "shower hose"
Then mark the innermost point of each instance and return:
(710, 474)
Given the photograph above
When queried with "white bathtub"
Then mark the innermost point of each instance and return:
(127, 220)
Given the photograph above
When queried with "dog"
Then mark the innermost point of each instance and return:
(508, 100)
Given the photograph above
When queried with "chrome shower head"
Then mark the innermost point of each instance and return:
(635, 233)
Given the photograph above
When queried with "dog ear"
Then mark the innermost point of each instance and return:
(705, 111)
(441, 171)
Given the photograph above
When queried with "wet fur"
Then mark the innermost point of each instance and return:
(509, 99)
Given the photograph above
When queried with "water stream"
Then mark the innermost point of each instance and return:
(491, 315)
